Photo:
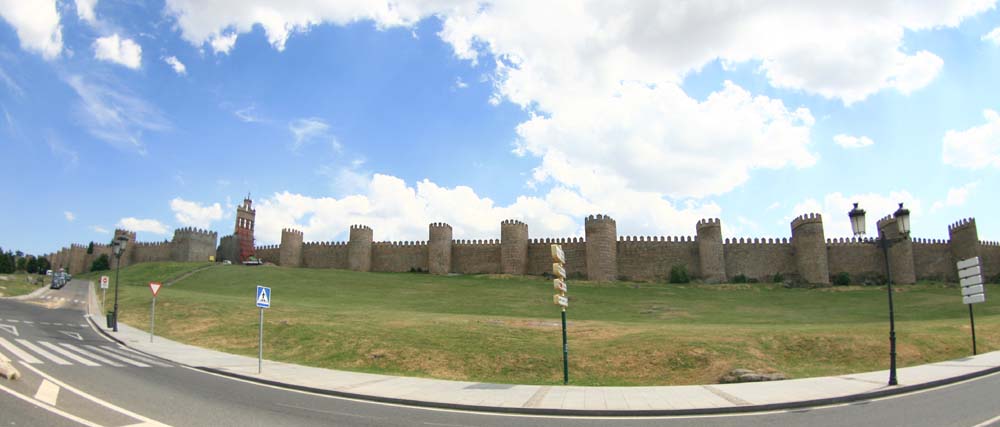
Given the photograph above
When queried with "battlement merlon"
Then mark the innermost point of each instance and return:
(440, 225)
(513, 222)
(808, 218)
(192, 231)
(291, 231)
(708, 222)
(961, 224)
(599, 218)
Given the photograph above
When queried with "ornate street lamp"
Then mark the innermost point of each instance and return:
(118, 247)
(902, 217)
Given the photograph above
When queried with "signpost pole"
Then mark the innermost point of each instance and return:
(260, 343)
(972, 322)
(104, 297)
(565, 349)
(152, 318)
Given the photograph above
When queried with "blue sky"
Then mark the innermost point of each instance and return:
(158, 115)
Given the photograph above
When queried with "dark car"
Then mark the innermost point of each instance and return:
(59, 280)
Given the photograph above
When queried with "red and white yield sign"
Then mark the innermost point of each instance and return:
(155, 287)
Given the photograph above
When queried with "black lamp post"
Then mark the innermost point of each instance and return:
(903, 222)
(118, 247)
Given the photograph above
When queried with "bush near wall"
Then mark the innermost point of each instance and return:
(841, 279)
(679, 274)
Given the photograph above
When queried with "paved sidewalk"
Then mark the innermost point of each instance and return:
(664, 400)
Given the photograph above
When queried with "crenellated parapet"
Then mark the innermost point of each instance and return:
(513, 247)
(757, 241)
(809, 245)
(964, 239)
(601, 233)
(549, 240)
(439, 248)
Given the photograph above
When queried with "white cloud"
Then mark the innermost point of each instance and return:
(835, 207)
(68, 156)
(10, 83)
(975, 148)
(85, 10)
(459, 84)
(176, 64)
(398, 211)
(99, 229)
(993, 36)
(70, 216)
(309, 129)
(36, 23)
(118, 50)
(848, 141)
(247, 115)
(143, 225)
(957, 196)
(116, 117)
(194, 214)
(223, 43)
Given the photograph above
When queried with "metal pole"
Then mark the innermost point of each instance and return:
(972, 321)
(260, 343)
(152, 318)
(565, 349)
(104, 298)
(892, 316)
(118, 267)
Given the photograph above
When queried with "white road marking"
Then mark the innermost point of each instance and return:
(132, 354)
(122, 358)
(10, 328)
(72, 335)
(63, 352)
(49, 408)
(109, 405)
(988, 422)
(13, 321)
(28, 322)
(41, 352)
(20, 354)
(92, 355)
(47, 392)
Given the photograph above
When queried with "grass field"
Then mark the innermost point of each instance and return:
(506, 330)
(12, 285)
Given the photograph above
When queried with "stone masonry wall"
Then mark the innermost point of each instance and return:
(989, 257)
(643, 258)
(325, 255)
(399, 257)
(932, 260)
(540, 256)
(759, 258)
(859, 258)
(475, 256)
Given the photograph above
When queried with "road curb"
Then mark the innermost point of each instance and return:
(615, 412)
(8, 371)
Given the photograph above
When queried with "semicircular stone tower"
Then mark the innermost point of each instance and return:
(290, 251)
(439, 248)
(359, 248)
(710, 251)
(513, 247)
(900, 253)
(602, 248)
(809, 245)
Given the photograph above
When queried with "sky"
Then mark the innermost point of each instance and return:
(152, 116)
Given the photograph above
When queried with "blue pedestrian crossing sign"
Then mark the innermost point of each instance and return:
(263, 297)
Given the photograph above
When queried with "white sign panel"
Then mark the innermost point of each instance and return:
(559, 285)
(972, 281)
(972, 290)
(104, 282)
(966, 263)
(559, 271)
(974, 299)
(560, 300)
(558, 255)
(969, 272)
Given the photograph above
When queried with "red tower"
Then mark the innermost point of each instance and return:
(245, 215)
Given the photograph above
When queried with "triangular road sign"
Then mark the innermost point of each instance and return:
(10, 328)
(155, 287)
(263, 297)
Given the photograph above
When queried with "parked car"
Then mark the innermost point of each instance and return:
(59, 280)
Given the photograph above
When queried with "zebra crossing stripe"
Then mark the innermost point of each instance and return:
(63, 352)
(133, 355)
(101, 359)
(17, 352)
(123, 359)
(38, 350)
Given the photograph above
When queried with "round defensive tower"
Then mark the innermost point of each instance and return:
(809, 245)
(290, 251)
(963, 239)
(439, 248)
(126, 259)
(900, 253)
(513, 247)
(602, 248)
(710, 251)
(359, 248)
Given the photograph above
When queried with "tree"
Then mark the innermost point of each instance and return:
(44, 265)
(32, 266)
(101, 263)
(90, 248)
(6, 262)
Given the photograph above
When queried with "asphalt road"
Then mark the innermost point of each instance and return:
(99, 382)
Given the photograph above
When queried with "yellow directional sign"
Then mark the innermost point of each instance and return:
(559, 271)
(560, 300)
(559, 285)
(558, 255)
